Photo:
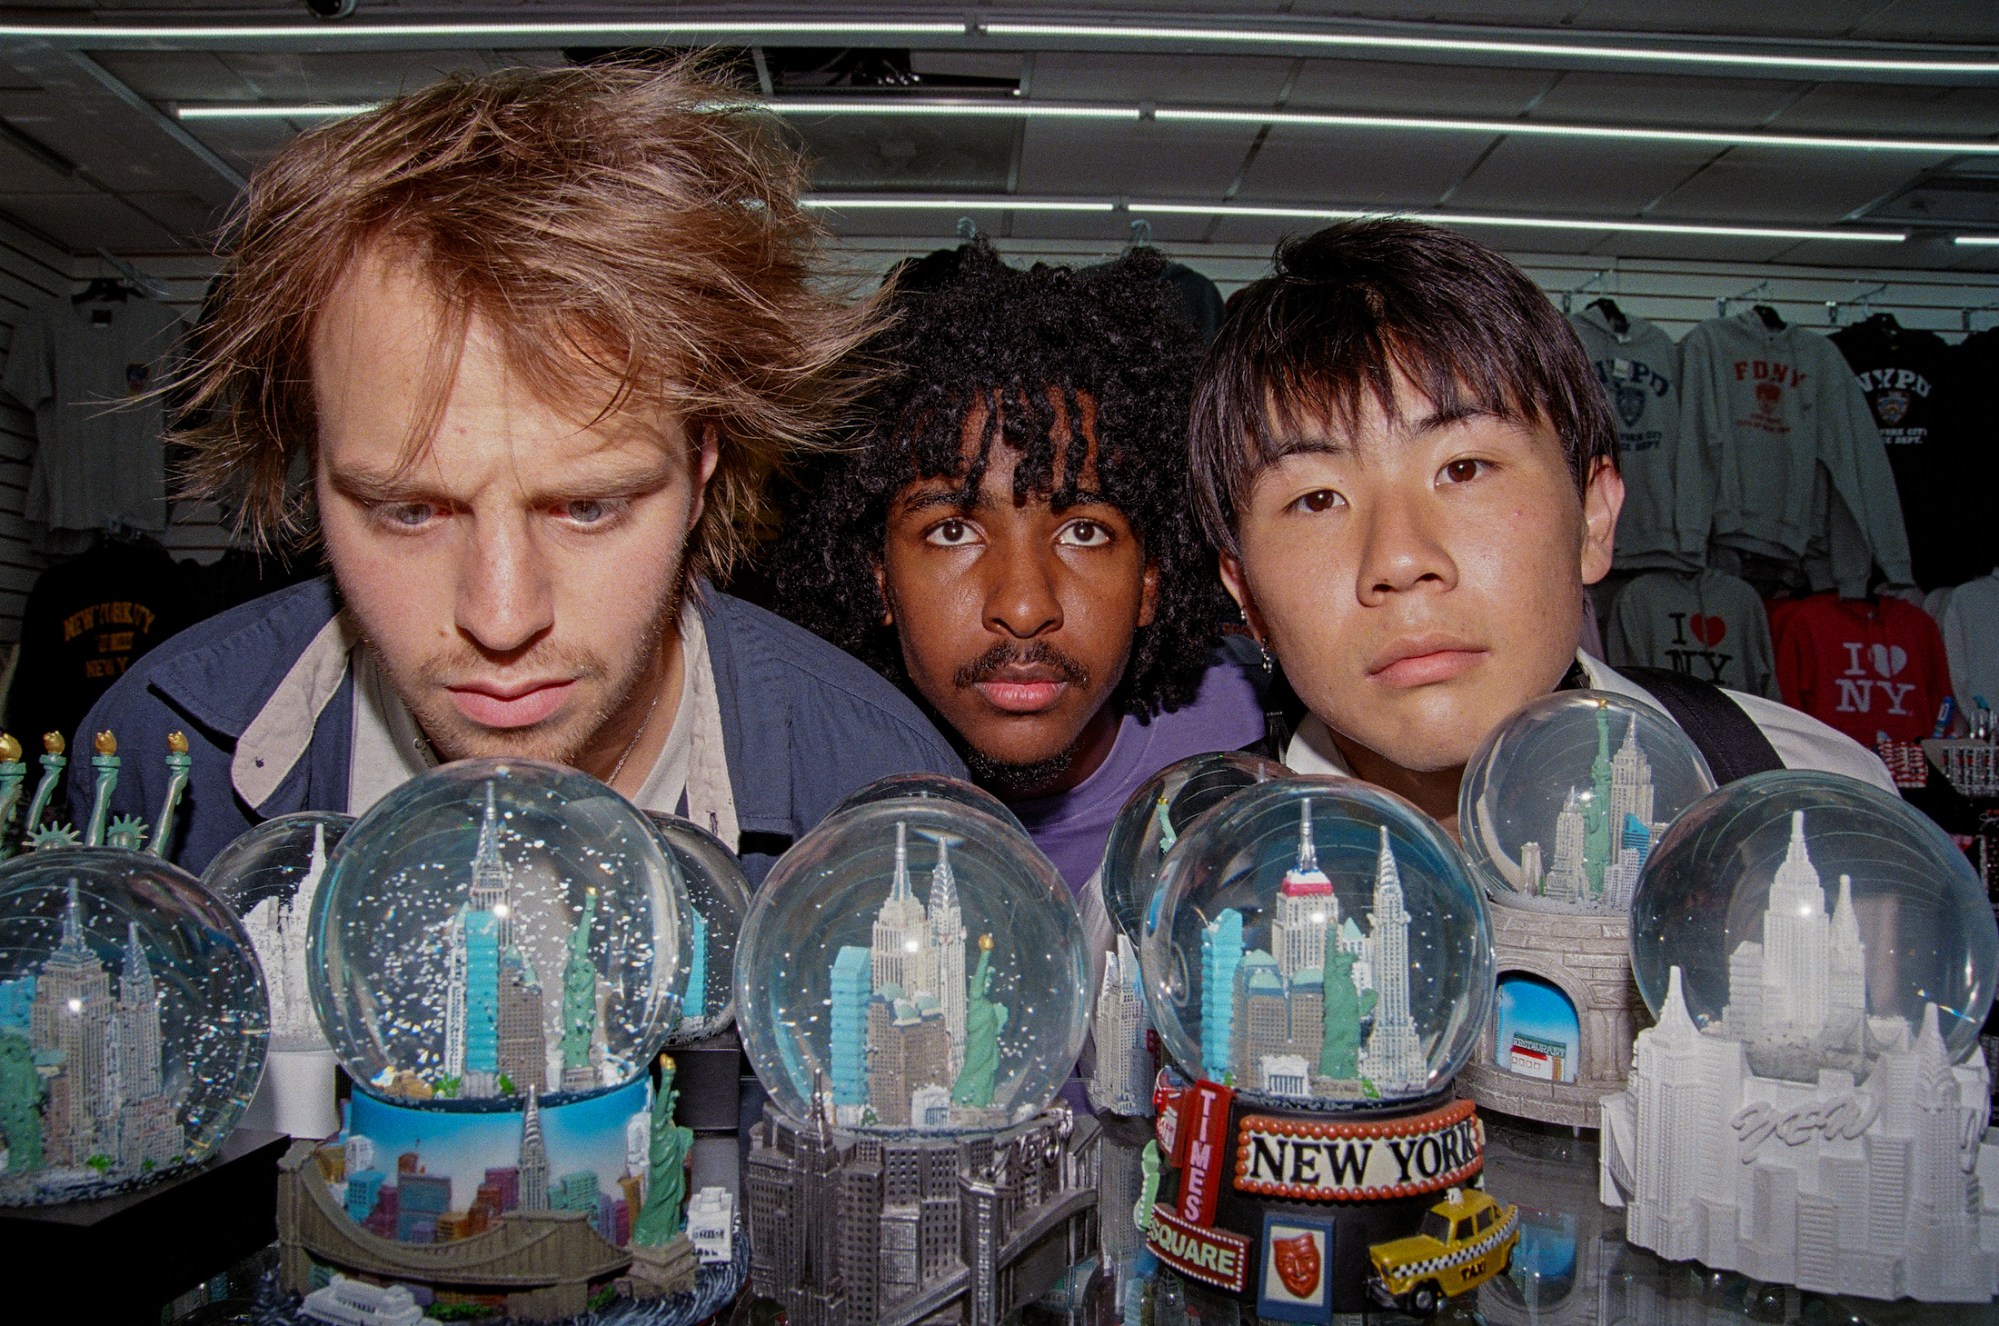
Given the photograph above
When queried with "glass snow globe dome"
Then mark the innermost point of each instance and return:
(1319, 944)
(900, 787)
(917, 966)
(1815, 919)
(497, 927)
(133, 1023)
(1562, 803)
(1154, 817)
(718, 893)
(269, 878)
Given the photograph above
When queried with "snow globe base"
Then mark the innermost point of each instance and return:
(1307, 1213)
(1560, 1036)
(434, 1207)
(850, 1229)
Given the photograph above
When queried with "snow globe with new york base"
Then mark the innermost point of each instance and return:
(1319, 965)
(1811, 1107)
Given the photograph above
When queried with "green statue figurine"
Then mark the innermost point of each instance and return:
(1339, 1052)
(1148, 1186)
(984, 1020)
(666, 1173)
(13, 769)
(21, 1091)
(579, 996)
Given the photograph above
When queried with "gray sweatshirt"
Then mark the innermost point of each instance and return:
(1639, 371)
(1791, 460)
(1709, 625)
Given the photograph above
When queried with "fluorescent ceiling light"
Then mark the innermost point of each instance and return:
(1264, 37)
(1539, 128)
(1139, 207)
(1976, 239)
(1021, 108)
(831, 202)
(259, 111)
(335, 33)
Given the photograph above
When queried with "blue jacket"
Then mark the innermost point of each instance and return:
(803, 724)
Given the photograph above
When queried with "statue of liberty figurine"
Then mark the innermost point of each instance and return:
(1339, 1052)
(984, 1020)
(666, 1172)
(579, 1003)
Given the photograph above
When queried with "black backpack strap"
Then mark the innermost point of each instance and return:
(1726, 737)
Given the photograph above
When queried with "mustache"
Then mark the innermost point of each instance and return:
(1037, 653)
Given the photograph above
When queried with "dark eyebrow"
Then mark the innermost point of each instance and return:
(952, 499)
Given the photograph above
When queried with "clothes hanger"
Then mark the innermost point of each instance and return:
(1612, 314)
(1771, 318)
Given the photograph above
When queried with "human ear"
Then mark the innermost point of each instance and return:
(707, 455)
(881, 588)
(1603, 498)
(1148, 599)
(1237, 585)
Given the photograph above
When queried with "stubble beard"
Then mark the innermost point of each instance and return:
(453, 737)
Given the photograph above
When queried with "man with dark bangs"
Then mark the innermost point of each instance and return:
(518, 353)
(1403, 453)
(1010, 539)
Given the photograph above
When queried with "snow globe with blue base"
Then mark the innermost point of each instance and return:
(497, 953)
(1559, 808)
(909, 986)
(1811, 1107)
(1319, 966)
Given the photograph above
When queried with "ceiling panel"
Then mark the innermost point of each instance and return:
(1541, 175)
(1104, 76)
(1876, 108)
(1415, 88)
(1363, 169)
(87, 222)
(1164, 161)
(1767, 184)
(856, 153)
(1932, 20)
(1673, 101)
(178, 75)
(92, 141)
(244, 144)
(1819, 18)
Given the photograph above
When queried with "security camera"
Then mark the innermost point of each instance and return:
(326, 9)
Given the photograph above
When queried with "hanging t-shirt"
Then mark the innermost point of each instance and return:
(1639, 370)
(86, 620)
(1708, 625)
(1905, 375)
(89, 372)
(1864, 666)
(1969, 620)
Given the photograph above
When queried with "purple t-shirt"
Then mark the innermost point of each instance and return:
(1071, 827)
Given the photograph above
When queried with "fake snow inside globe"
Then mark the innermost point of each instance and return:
(718, 893)
(1154, 817)
(1814, 919)
(133, 1023)
(912, 964)
(1319, 943)
(1562, 803)
(941, 787)
(495, 928)
(269, 878)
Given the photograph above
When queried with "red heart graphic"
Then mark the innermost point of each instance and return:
(1298, 1264)
(1708, 630)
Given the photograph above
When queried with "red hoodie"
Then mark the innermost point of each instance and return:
(1863, 666)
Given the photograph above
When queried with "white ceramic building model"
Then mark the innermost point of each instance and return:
(1796, 1139)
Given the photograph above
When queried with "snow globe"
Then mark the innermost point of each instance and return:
(941, 787)
(1559, 809)
(909, 986)
(718, 894)
(269, 878)
(497, 952)
(133, 1023)
(1811, 1105)
(1319, 966)
(1150, 822)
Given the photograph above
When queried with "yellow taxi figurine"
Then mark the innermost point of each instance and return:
(1466, 1239)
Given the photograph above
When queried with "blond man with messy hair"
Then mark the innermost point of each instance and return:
(517, 354)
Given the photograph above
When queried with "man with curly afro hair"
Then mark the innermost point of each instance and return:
(1011, 539)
